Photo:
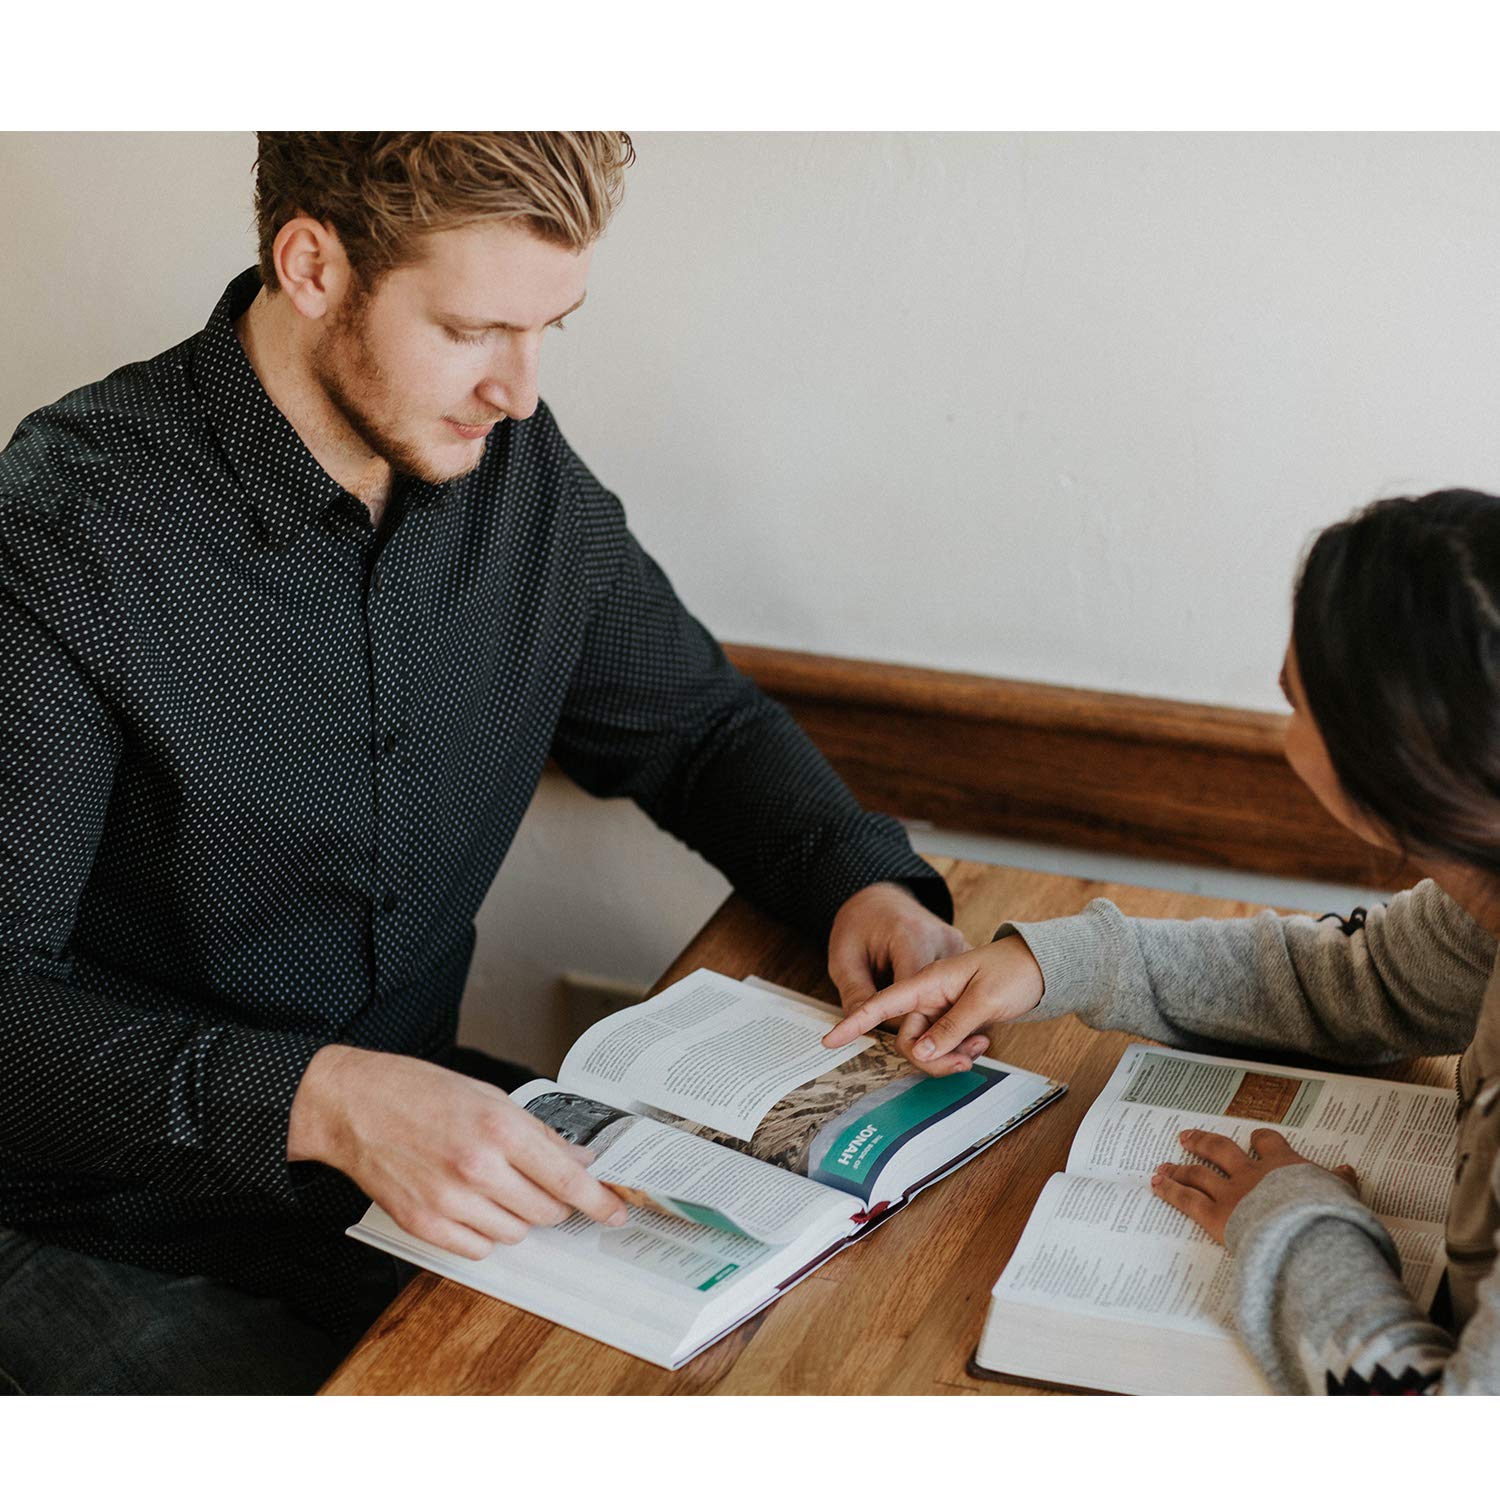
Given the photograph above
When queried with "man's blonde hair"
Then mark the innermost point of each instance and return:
(382, 191)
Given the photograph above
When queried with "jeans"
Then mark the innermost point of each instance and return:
(71, 1325)
(74, 1325)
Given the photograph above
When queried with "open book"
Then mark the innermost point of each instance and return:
(1110, 1289)
(748, 1152)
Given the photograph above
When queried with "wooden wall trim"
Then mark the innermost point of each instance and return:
(1113, 771)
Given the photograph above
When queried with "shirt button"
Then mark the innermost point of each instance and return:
(389, 904)
(388, 744)
(374, 580)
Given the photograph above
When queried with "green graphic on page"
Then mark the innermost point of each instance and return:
(861, 1141)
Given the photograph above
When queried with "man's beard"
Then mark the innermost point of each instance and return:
(347, 370)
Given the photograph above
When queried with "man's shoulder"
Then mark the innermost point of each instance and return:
(110, 448)
(538, 443)
(584, 518)
(550, 465)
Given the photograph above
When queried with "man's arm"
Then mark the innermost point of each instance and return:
(197, 1107)
(91, 1085)
(656, 712)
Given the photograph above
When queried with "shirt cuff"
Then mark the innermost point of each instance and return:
(932, 891)
(251, 1077)
(848, 865)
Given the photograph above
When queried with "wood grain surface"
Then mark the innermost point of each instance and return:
(899, 1313)
(1146, 776)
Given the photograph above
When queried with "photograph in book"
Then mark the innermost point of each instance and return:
(584, 1122)
(843, 1126)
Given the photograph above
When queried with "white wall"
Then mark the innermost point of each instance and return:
(1053, 407)
(112, 248)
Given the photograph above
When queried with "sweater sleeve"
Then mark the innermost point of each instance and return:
(1321, 1307)
(1408, 982)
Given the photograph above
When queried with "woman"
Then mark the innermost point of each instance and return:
(1393, 676)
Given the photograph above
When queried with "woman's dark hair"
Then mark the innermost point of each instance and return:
(1396, 630)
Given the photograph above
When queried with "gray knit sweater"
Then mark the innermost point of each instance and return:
(1319, 1304)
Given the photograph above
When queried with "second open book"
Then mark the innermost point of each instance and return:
(748, 1152)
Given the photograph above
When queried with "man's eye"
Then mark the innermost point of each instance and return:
(559, 325)
(459, 337)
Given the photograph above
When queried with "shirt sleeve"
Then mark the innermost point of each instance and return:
(656, 712)
(1321, 1307)
(1407, 982)
(90, 1085)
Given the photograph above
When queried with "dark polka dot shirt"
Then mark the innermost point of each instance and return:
(259, 764)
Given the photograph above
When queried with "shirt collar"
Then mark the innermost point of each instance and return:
(287, 487)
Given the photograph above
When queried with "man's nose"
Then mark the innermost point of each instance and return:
(512, 386)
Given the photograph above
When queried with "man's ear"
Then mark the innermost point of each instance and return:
(311, 266)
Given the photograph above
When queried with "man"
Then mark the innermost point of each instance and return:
(291, 617)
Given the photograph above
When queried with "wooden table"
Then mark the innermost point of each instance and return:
(898, 1314)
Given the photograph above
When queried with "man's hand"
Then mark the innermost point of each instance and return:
(883, 934)
(1208, 1197)
(959, 996)
(450, 1159)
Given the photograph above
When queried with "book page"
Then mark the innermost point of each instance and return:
(832, 1014)
(735, 1233)
(708, 1049)
(1399, 1138)
(656, 1287)
(654, 1167)
(657, 1268)
(1114, 1250)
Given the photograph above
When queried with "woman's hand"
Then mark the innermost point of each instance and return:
(958, 996)
(1208, 1197)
